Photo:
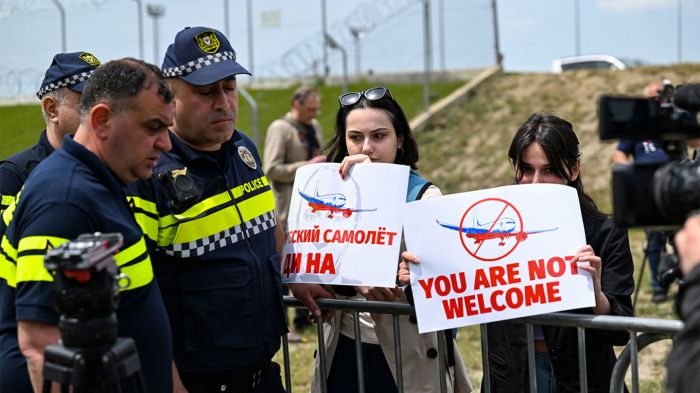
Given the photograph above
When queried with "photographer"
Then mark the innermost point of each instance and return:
(683, 362)
(649, 151)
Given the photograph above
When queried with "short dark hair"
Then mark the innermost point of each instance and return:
(303, 92)
(560, 144)
(337, 149)
(115, 82)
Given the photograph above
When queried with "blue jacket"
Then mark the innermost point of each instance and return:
(215, 258)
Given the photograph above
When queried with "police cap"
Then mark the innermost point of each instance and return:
(70, 70)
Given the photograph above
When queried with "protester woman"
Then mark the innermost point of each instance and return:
(371, 127)
(546, 150)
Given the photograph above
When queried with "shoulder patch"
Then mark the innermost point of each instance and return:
(247, 157)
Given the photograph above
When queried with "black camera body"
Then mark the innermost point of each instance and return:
(86, 289)
(654, 196)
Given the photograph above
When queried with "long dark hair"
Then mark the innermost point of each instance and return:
(407, 155)
(560, 144)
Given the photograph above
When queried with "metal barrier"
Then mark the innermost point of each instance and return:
(651, 330)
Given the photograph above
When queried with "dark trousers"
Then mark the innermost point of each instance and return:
(343, 375)
(266, 379)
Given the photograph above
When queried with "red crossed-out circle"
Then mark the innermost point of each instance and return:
(463, 237)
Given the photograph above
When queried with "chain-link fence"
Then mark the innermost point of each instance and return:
(276, 40)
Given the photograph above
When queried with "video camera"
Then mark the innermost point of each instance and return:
(86, 289)
(658, 196)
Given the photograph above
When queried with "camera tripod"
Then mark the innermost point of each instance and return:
(91, 370)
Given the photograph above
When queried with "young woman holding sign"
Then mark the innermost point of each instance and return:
(546, 150)
(372, 127)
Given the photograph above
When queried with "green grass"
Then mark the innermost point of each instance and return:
(19, 128)
(20, 125)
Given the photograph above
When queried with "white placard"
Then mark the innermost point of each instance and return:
(496, 254)
(345, 231)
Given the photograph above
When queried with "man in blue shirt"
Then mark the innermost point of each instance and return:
(649, 152)
(125, 112)
(59, 93)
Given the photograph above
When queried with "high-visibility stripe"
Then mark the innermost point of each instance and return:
(7, 212)
(257, 205)
(149, 225)
(7, 248)
(6, 200)
(140, 274)
(207, 225)
(223, 219)
(214, 201)
(8, 270)
(143, 204)
(39, 243)
(130, 253)
(30, 267)
(239, 190)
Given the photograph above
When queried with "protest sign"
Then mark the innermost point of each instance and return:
(345, 231)
(496, 254)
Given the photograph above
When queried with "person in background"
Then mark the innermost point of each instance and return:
(683, 362)
(372, 127)
(59, 93)
(291, 142)
(648, 152)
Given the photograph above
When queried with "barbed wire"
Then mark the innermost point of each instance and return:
(12, 7)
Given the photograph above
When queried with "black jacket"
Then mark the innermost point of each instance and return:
(683, 363)
(507, 341)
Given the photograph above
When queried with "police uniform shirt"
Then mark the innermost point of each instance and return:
(215, 259)
(70, 193)
(14, 170)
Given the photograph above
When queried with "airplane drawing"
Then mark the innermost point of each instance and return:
(501, 230)
(332, 203)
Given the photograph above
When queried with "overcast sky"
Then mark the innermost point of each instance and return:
(286, 33)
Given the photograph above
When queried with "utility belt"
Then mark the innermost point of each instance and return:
(246, 380)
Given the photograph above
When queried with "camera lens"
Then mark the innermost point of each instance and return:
(676, 190)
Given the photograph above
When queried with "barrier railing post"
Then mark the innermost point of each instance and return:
(358, 353)
(321, 355)
(531, 367)
(582, 369)
(486, 379)
(441, 360)
(285, 358)
(397, 353)
(635, 364)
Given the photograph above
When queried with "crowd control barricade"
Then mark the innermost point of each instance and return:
(642, 332)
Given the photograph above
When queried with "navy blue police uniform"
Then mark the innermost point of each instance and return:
(209, 220)
(67, 70)
(216, 263)
(70, 193)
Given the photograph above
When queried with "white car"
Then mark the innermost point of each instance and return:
(599, 62)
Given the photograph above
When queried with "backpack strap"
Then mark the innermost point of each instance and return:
(416, 187)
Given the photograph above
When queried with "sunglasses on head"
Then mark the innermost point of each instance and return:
(373, 94)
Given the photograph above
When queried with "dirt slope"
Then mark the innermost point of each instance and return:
(465, 149)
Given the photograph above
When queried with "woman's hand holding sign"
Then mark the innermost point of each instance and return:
(407, 258)
(588, 261)
(349, 161)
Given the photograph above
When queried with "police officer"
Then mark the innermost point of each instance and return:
(60, 96)
(208, 214)
(125, 112)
